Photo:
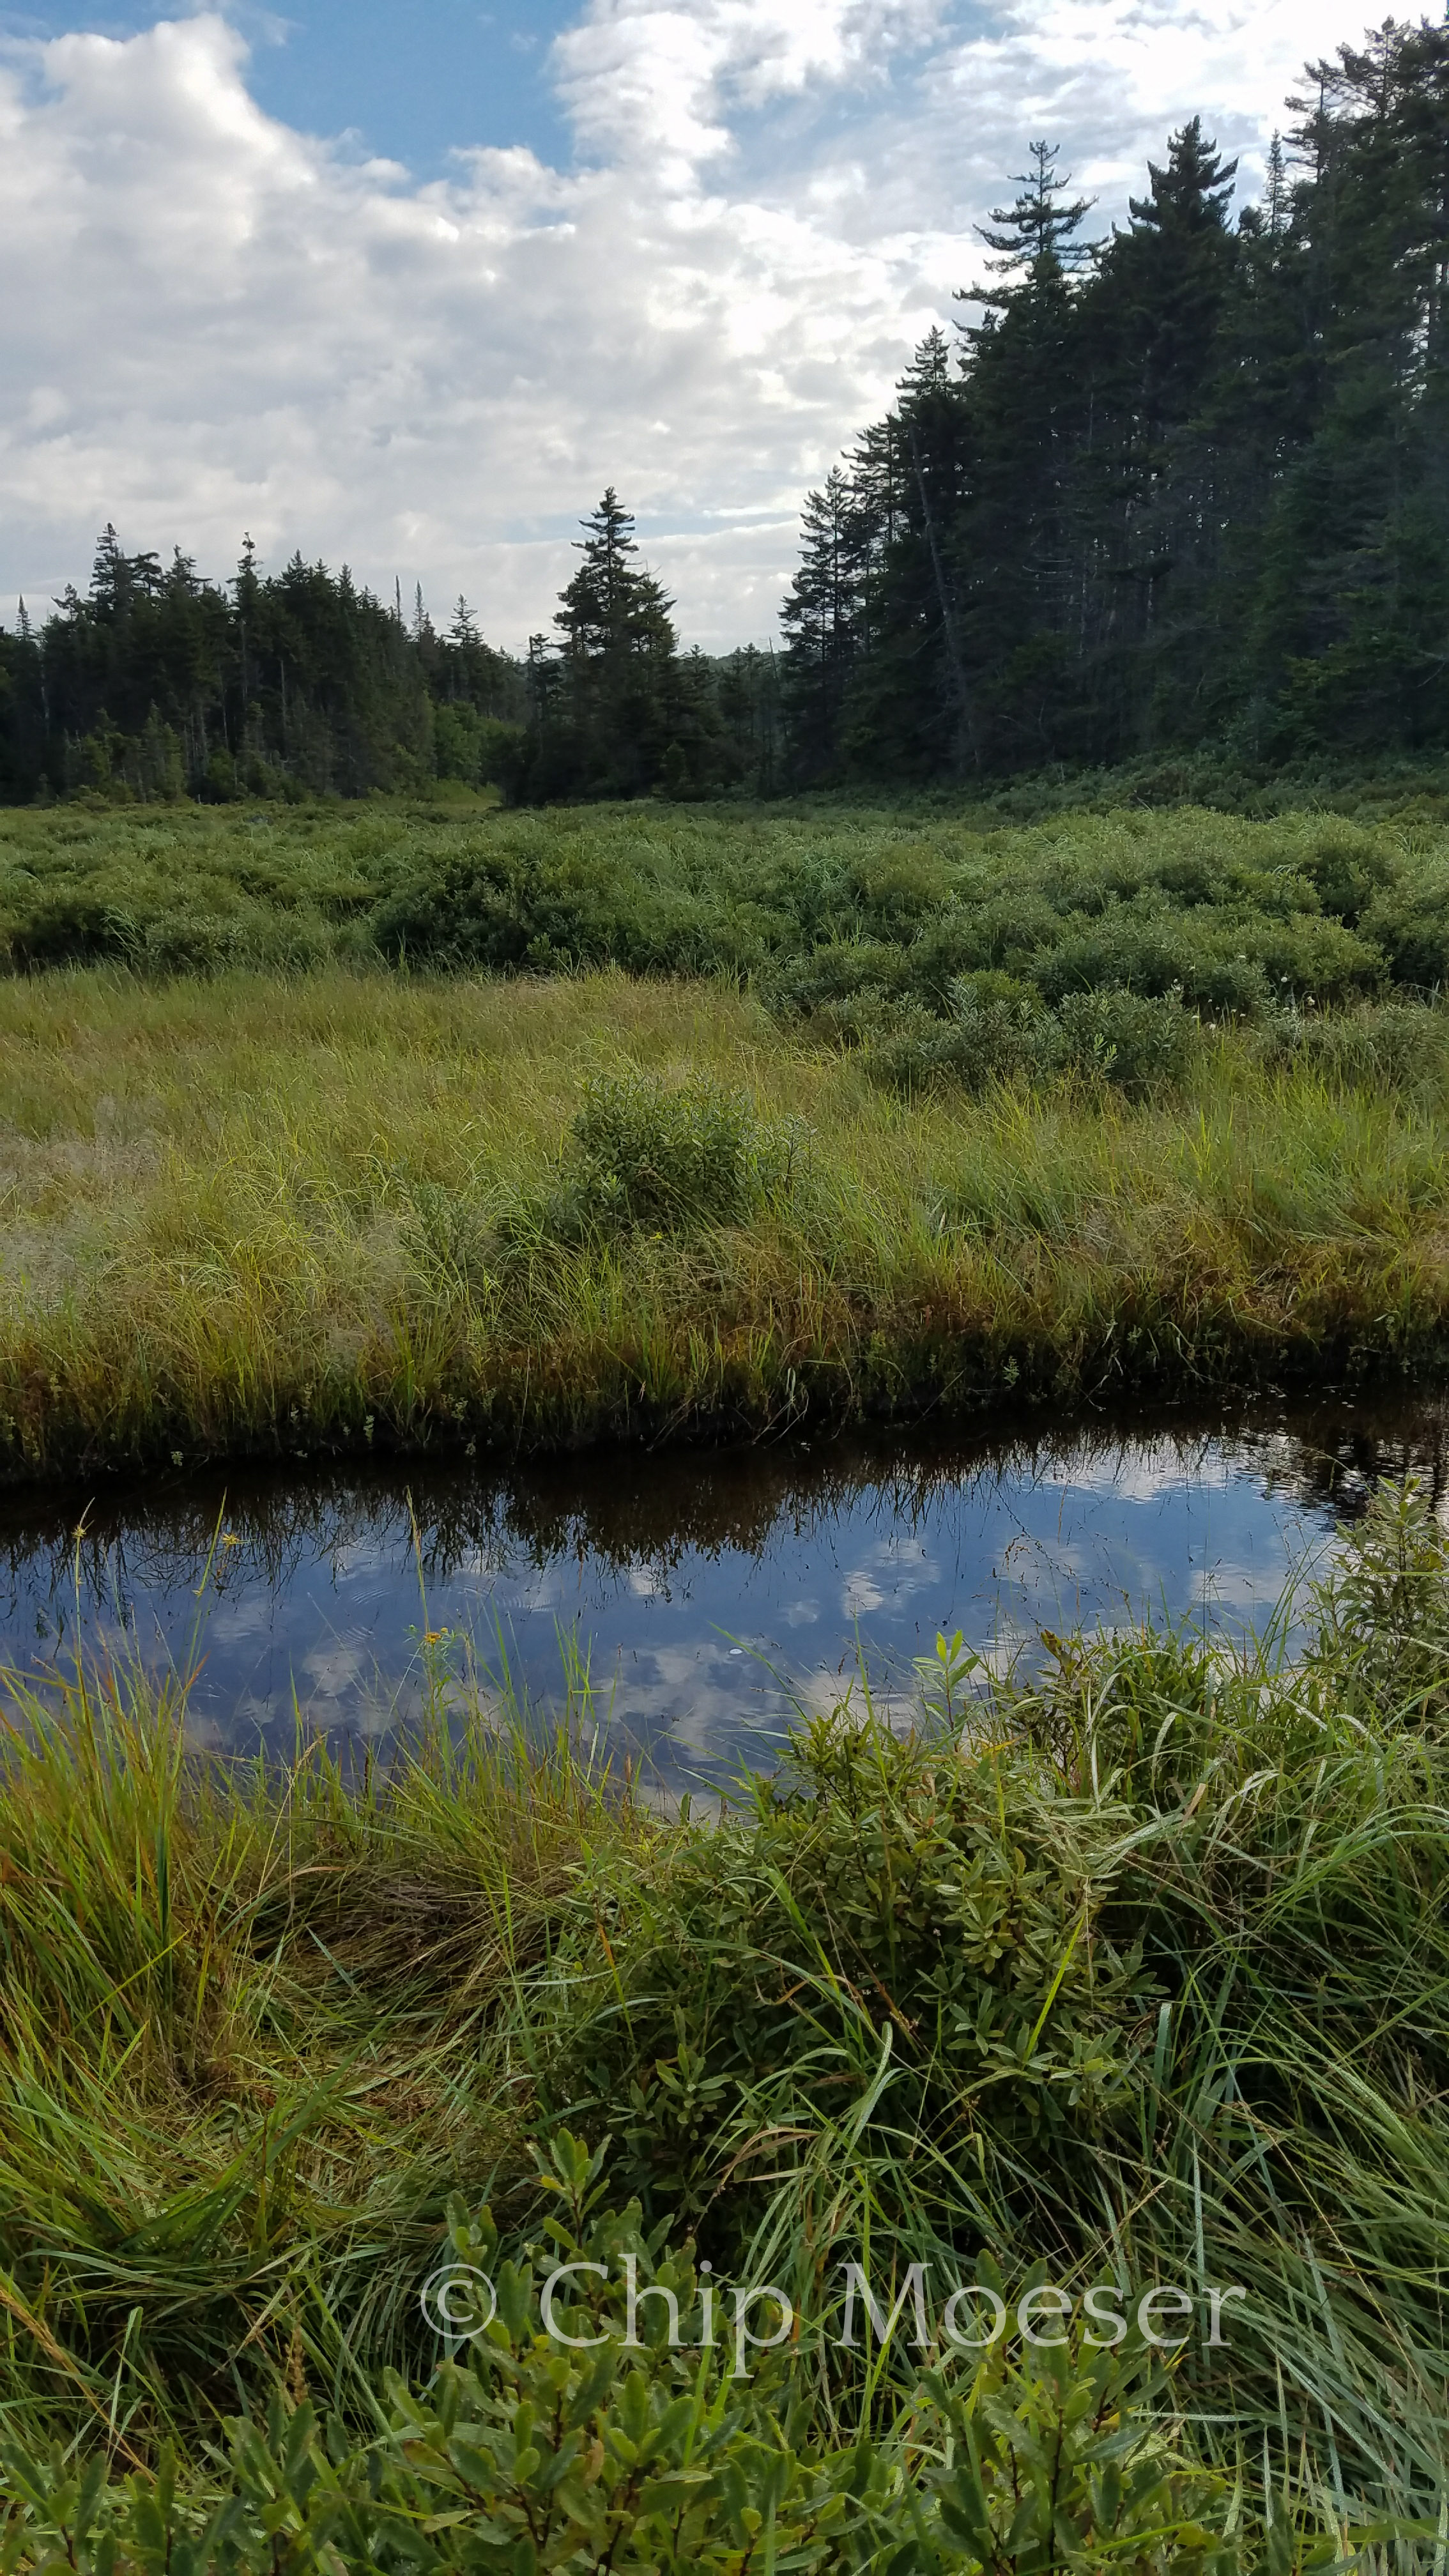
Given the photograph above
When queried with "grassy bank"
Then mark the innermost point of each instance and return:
(249, 1213)
(1139, 1979)
(888, 1111)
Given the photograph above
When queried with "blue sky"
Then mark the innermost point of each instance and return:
(406, 286)
(406, 82)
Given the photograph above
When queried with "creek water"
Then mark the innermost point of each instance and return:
(711, 1594)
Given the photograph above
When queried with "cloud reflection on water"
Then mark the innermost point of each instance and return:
(662, 1569)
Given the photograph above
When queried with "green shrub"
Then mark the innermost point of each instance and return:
(1152, 1933)
(1347, 869)
(1410, 923)
(874, 1874)
(1054, 2462)
(72, 930)
(987, 1040)
(815, 907)
(1205, 961)
(898, 886)
(1394, 1046)
(645, 2460)
(652, 1157)
(1140, 1044)
(533, 899)
(1383, 1634)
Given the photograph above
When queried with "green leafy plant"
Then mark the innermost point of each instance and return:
(1383, 1637)
(1066, 2457)
(590, 2441)
(645, 1156)
(1140, 1043)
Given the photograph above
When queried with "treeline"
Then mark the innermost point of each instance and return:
(157, 684)
(1182, 490)
(1185, 486)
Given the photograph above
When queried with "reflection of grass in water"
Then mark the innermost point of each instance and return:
(658, 1509)
(1146, 1971)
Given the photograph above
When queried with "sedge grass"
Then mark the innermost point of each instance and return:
(259, 1214)
(255, 2031)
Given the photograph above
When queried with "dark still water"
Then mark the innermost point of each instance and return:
(710, 1593)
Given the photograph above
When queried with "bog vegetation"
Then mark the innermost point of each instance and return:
(1132, 1976)
(424, 1125)
(423, 1117)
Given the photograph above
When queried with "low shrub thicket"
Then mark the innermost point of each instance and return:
(952, 947)
(995, 1034)
(997, 1030)
(815, 903)
(1386, 1046)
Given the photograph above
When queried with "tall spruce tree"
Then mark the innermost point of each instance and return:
(607, 717)
(1016, 533)
(823, 619)
(1355, 598)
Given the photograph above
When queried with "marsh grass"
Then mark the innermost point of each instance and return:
(257, 2027)
(282, 1216)
(1137, 1972)
(389, 1127)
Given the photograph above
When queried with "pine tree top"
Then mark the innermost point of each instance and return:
(1192, 192)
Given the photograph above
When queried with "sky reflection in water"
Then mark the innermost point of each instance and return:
(709, 1591)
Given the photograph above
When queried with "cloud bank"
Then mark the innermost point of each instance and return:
(213, 322)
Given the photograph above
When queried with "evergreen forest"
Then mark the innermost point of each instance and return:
(1184, 486)
(1181, 489)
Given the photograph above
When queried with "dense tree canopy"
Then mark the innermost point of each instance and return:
(159, 684)
(1184, 485)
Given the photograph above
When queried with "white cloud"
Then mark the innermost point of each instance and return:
(213, 322)
(647, 81)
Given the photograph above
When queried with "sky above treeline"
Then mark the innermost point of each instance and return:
(406, 285)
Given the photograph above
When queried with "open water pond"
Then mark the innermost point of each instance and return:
(710, 1593)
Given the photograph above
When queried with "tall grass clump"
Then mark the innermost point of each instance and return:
(249, 2038)
(650, 1156)
(1131, 1976)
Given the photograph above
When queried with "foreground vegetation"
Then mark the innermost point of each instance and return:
(394, 1131)
(1136, 1976)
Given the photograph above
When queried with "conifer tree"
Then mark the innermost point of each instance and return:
(1189, 484)
(823, 619)
(609, 716)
